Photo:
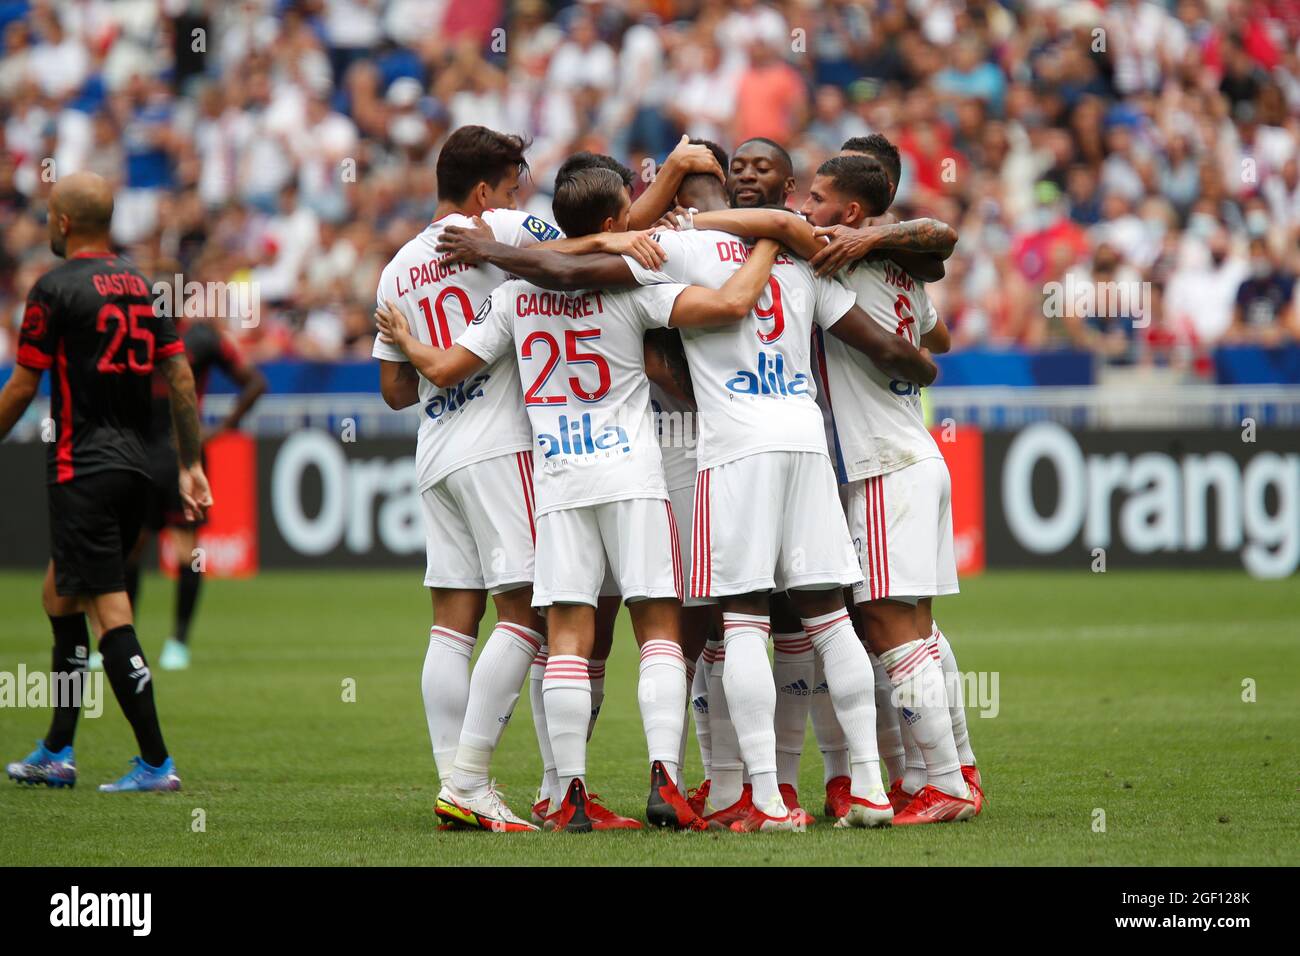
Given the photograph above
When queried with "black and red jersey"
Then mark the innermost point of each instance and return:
(91, 323)
(206, 347)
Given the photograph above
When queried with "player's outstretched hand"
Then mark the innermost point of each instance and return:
(196, 495)
(846, 245)
(695, 159)
(393, 327)
(648, 253)
(466, 245)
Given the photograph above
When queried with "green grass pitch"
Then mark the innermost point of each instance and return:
(1119, 692)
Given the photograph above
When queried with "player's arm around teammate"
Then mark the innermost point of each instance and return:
(696, 307)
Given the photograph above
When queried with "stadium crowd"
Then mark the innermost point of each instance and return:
(293, 142)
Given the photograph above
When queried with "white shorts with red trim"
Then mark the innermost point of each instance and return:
(632, 542)
(902, 527)
(769, 521)
(478, 525)
(683, 500)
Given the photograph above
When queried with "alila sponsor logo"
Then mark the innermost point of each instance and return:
(580, 437)
(769, 378)
(75, 908)
(455, 397)
(798, 688)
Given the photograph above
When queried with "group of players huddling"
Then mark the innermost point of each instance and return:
(813, 509)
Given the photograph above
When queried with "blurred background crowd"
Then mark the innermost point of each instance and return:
(292, 142)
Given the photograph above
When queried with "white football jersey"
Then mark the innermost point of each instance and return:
(581, 359)
(752, 380)
(879, 425)
(480, 417)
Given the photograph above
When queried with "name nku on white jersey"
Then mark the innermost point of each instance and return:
(480, 417)
(580, 357)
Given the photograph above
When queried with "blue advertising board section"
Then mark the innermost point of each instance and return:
(1234, 365)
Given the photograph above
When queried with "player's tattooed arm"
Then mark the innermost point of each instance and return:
(788, 228)
(185, 409)
(661, 195)
(892, 354)
(665, 363)
(918, 236)
(699, 307)
(17, 394)
(443, 367)
(399, 383)
(196, 496)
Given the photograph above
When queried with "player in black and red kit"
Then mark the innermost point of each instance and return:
(92, 324)
(206, 347)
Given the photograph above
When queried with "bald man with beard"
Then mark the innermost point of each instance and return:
(91, 323)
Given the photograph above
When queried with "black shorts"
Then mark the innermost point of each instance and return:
(94, 523)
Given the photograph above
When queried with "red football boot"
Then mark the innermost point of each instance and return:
(541, 810)
(932, 805)
(729, 815)
(975, 784)
(898, 797)
(603, 818)
(791, 797)
(666, 806)
(698, 798)
(572, 815)
(756, 821)
(837, 797)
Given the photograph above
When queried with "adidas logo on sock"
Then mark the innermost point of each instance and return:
(701, 705)
(798, 688)
(821, 688)
(910, 716)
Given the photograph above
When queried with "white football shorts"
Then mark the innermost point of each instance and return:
(631, 544)
(478, 525)
(770, 521)
(902, 528)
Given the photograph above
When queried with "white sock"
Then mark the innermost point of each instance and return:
(751, 699)
(792, 669)
(915, 775)
(597, 671)
(918, 681)
(889, 736)
(686, 722)
(700, 707)
(726, 767)
(661, 693)
(956, 697)
(852, 690)
(494, 687)
(566, 690)
(549, 789)
(827, 730)
(445, 683)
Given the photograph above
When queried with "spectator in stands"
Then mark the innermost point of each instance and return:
(1266, 310)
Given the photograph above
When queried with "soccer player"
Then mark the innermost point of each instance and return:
(91, 323)
(901, 755)
(688, 159)
(472, 451)
(602, 503)
(898, 501)
(775, 516)
(206, 347)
